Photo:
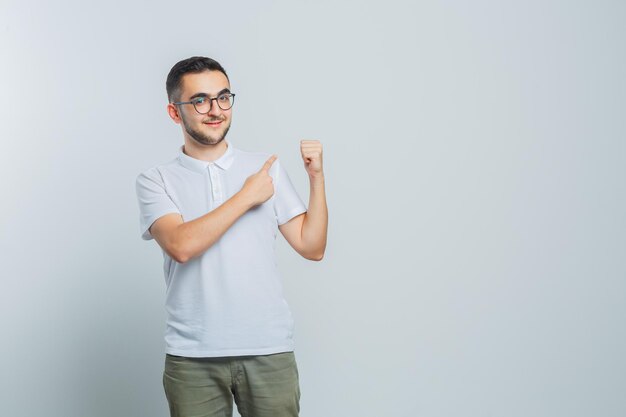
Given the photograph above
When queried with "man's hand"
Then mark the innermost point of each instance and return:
(259, 187)
(311, 151)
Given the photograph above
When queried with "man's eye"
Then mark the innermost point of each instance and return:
(200, 100)
(224, 97)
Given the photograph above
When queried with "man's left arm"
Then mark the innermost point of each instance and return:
(306, 233)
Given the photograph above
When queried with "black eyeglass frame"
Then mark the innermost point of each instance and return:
(232, 95)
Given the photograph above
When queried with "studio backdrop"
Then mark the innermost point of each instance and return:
(474, 158)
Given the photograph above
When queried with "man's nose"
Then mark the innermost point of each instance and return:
(215, 109)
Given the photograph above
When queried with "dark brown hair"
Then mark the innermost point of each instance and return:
(195, 64)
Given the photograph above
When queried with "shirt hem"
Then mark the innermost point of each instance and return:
(291, 214)
(145, 231)
(229, 352)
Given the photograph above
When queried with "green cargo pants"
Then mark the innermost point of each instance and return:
(261, 386)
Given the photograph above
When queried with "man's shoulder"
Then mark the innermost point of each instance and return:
(159, 169)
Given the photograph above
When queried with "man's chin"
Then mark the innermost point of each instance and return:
(208, 143)
(202, 139)
(211, 143)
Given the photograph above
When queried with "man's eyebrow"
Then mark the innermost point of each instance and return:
(224, 90)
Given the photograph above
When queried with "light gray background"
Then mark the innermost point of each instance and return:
(475, 162)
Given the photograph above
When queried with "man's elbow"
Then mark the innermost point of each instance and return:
(181, 259)
(314, 256)
(178, 253)
(183, 251)
(318, 258)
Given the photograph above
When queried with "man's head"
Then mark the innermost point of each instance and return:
(189, 80)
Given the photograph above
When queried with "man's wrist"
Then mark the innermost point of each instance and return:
(242, 199)
(316, 180)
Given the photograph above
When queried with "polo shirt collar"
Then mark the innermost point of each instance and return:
(224, 161)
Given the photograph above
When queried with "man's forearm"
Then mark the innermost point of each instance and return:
(315, 224)
(196, 236)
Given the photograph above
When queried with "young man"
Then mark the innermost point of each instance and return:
(215, 211)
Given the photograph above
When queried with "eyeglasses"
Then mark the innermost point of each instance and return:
(203, 104)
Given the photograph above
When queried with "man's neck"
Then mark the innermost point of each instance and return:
(205, 152)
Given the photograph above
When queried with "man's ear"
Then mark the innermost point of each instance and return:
(172, 110)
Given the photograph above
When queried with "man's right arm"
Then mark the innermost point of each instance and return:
(183, 241)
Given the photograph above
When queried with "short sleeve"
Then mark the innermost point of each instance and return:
(287, 202)
(154, 202)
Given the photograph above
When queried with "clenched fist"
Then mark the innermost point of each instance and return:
(311, 151)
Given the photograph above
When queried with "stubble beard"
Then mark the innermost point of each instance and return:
(201, 137)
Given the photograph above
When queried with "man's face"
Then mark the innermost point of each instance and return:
(210, 128)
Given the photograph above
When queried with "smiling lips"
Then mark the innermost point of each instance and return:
(214, 123)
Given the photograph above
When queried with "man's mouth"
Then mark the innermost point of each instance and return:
(213, 123)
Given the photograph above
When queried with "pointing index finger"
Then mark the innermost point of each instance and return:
(267, 165)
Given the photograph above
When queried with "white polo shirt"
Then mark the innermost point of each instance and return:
(229, 300)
